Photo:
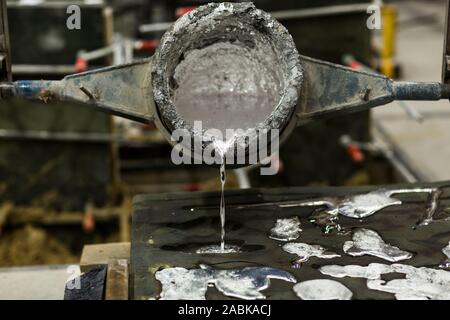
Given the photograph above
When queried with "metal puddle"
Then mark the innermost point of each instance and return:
(168, 229)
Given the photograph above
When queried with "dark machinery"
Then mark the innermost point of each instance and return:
(5, 54)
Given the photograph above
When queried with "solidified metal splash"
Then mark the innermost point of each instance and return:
(365, 205)
(429, 217)
(248, 282)
(245, 283)
(419, 283)
(286, 229)
(180, 283)
(362, 206)
(217, 249)
(446, 251)
(372, 272)
(322, 289)
(369, 242)
(305, 251)
(446, 263)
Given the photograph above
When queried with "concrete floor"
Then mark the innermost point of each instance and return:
(35, 283)
(424, 147)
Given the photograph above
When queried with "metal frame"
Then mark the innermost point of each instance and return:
(5, 48)
(446, 56)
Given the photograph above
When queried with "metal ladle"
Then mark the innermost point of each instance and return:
(228, 62)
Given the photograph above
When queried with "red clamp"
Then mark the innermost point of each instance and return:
(81, 65)
(147, 45)
(88, 222)
(355, 153)
(183, 10)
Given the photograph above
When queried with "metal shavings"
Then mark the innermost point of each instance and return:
(286, 229)
(327, 222)
(369, 242)
(419, 283)
(322, 289)
(246, 283)
(327, 219)
(305, 251)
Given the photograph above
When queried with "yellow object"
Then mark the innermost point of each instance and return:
(389, 31)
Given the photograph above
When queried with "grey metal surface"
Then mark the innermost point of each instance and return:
(335, 89)
(123, 90)
(168, 228)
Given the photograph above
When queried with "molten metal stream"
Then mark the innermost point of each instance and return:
(223, 179)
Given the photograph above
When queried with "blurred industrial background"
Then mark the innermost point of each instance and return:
(68, 174)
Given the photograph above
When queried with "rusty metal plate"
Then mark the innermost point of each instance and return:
(169, 228)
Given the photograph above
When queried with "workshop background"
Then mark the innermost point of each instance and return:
(68, 174)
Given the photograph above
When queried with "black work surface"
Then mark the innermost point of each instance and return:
(168, 228)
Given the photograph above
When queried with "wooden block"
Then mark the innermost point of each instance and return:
(117, 280)
(101, 254)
